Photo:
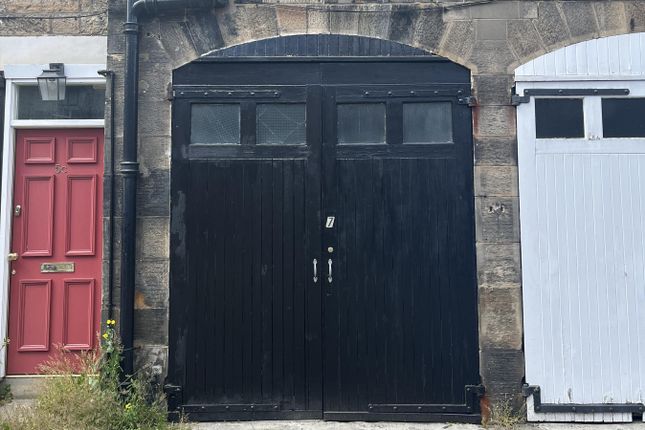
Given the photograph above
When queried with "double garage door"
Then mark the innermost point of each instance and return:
(322, 250)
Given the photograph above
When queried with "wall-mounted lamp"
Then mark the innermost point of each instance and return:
(52, 82)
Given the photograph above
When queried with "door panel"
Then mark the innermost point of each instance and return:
(253, 315)
(400, 308)
(57, 195)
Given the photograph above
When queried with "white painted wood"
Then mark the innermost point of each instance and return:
(582, 216)
(608, 58)
(85, 73)
(8, 162)
(6, 199)
(52, 49)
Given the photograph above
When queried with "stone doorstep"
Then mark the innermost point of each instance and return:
(24, 387)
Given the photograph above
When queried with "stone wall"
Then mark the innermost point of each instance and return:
(53, 17)
(490, 38)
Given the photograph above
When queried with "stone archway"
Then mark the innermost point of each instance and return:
(489, 39)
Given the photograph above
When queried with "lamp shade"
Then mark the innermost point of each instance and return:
(52, 82)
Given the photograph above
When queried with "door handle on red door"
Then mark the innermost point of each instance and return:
(329, 278)
(12, 256)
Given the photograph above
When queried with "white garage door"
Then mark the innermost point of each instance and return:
(581, 140)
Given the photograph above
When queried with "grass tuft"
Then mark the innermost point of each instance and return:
(85, 392)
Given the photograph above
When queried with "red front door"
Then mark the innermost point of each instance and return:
(55, 291)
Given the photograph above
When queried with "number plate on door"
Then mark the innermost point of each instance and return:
(57, 267)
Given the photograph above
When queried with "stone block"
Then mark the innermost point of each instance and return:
(635, 15)
(177, 42)
(291, 19)
(429, 29)
(23, 27)
(490, 29)
(581, 19)
(497, 219)
(153, 359)
(67, 26)
(491, 57)
(151, 48)
(153, 238)
(498, 265)
(495, 151)
(403, 21)
(374, 21)
(500, 317)
(204, 31)
(152, 284)
(611, 17)
(551, 25)
(154, 152)
(35, 7)
(496, 181)
(116, 39)
(458, 40)
(93, 25)
(154, 82)
(456, 13)
(318, 20)
(344, 21)
(155, 119)
(502, 372)
(527, 9)
(496, 10)
(524, 39)
(493, 89)
(243, 23)
(494, 121)
(150, 327)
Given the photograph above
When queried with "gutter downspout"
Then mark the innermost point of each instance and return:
(109, 76)
(130, 165)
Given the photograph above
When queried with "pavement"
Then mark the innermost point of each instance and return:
(329, 425)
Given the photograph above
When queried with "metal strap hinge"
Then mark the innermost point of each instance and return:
(517, 99)
(538, 406)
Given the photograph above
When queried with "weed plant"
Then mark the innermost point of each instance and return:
(86, 392)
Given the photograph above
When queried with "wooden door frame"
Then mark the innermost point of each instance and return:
(16, 76)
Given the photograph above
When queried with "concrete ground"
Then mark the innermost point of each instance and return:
(327, 425)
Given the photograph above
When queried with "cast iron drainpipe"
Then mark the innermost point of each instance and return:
(130, 165)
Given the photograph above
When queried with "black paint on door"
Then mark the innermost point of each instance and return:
(386, 325)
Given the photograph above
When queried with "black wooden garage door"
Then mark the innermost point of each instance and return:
(322, 241)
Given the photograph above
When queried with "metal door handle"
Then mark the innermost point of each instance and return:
(329, 274)
(315, 270)
(13, 256)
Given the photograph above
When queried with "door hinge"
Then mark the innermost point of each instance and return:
(517, 99)
(582, 408)
(175, 399)
(467, 100)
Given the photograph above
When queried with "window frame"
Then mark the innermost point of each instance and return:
(593, 140)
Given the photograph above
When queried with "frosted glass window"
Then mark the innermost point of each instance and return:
(361, 123)
(215, 123)
(81, 102)
(281, 124)
(427, 122)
